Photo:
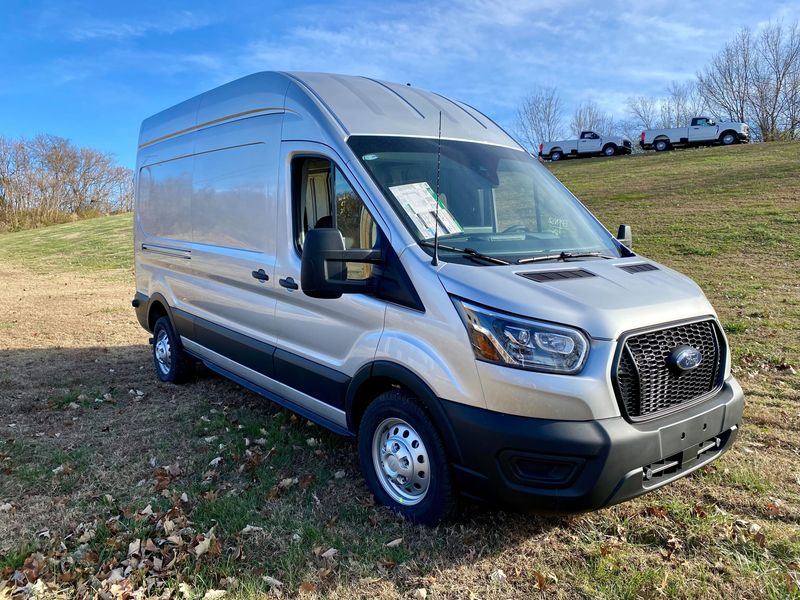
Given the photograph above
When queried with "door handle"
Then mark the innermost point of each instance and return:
(289, 283)
(261, 275)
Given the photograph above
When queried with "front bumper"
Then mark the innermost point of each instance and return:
(563, 467)
(744, 137)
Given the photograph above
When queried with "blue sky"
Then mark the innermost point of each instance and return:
(91, 71)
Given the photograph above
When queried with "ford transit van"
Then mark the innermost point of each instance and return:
(391, 264)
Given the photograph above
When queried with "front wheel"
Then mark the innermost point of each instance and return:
(728, 138)
(610, 150)
(403, 459)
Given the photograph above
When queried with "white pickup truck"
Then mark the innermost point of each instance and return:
(704, 131)
(588, 144)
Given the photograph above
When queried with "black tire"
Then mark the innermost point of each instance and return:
(171, 363)
(728, 138)
(438, 501)
(610, 150)
(556, 155)
(661, 145)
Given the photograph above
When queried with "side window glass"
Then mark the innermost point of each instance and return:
(352, 219)
(323, 197)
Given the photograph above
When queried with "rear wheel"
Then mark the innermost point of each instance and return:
(728, 138)
(661, 145)
(172, 364)
(610, 150)
(403, 459)
(556, 155)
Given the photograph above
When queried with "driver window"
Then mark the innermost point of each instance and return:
(323, 197)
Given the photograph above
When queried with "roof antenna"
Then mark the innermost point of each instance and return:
(435, 261)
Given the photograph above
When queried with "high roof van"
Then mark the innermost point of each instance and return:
(391, 264)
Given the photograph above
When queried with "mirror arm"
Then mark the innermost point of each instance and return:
(372, 257)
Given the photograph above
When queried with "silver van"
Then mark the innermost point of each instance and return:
(391, 264)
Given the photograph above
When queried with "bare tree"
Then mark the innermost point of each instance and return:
(774, 75)
(588, 117)
(725, 82)
(48, 179)
(683, 101)
(644, 111)
(540, 117)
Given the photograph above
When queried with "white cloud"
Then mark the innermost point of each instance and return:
(117, 29)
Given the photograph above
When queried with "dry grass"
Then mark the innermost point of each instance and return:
(71, 433)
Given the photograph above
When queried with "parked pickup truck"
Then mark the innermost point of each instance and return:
(589, 144)
(703, 131)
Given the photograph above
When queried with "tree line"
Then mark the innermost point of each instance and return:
(754, 78)
(48, 179)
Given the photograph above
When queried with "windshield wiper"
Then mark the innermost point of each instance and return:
(562, 256)
(468, 252)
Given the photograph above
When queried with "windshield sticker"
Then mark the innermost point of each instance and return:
(419, 202)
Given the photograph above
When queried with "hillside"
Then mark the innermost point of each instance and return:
(89, 245)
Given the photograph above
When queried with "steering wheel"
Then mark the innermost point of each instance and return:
(519, 227)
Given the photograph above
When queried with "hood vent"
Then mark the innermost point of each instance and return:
(638, 268)
(550, 276)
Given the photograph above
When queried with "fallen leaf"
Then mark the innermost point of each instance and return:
(541, 582)
(306, 588)
(420, 594)
(185, 589)
(214, 462)
(87, 536)
(498, 576)
(330, 553)
(251, 529)
(115, 576)
(306, 480)
(394, 543)
(202, 546)
(214, 594)
(272, 582)
(147, 510)
(339, 474)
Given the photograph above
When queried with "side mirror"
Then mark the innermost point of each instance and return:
(323, 267)
(625, 236)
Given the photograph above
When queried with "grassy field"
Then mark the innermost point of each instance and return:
(112, 481)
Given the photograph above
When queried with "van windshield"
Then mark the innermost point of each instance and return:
(493, 201)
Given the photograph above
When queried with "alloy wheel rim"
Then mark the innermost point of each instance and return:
(163, 352)
(401, 461)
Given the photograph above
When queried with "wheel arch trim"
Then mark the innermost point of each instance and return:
(356, 401)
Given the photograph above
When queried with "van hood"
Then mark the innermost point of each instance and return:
(607, 302)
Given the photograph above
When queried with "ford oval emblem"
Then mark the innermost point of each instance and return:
(684, 359)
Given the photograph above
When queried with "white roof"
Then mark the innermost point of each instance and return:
(357, 106)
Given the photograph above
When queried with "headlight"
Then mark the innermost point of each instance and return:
(524, 343)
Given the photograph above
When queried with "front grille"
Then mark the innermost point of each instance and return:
(645, 383)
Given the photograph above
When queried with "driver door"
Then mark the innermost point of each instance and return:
(589, 142)
(322, 342)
